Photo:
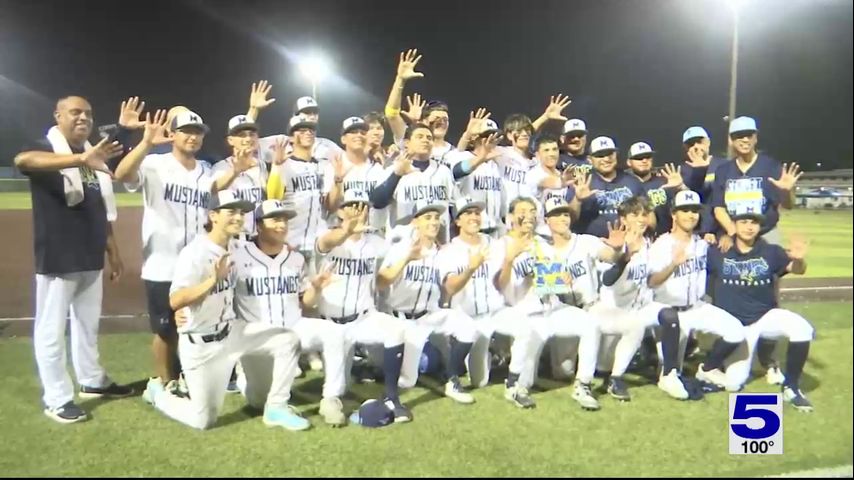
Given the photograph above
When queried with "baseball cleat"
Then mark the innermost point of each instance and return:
(232, 387)
(286, 417)
(112, 390)
(673, 386)
(153, 389)
(315, 363)
(519, 396)
(797, 399)
(617, 389)
(582, 394)
(332, 411)
(714, 376)
(774, 376)
(68, 413)
(454, 390)
(401, 413)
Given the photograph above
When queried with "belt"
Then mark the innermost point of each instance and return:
(409, 316)
(682, 308)
(347, 319)
(213, 337)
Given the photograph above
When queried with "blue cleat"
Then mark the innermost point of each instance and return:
(286, 417)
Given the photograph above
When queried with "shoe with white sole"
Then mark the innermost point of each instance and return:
(582, 393)
(68, 413)
(797, 399)
(673, 386)
(454, 390)
(774, 376)
(715, 376)
(332, 411)
(285, 417)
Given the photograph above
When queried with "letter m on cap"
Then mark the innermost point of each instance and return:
(603, 143)
(194, 118)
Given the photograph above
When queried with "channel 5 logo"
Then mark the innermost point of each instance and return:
(756, 424)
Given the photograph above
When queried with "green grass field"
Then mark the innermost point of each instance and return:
(650, 436)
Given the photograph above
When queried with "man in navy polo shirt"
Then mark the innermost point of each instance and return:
(69, 181)
(608, 188)
(752, 182)
(745, 278)
(660, 189)
(699, 167)
(574, 145)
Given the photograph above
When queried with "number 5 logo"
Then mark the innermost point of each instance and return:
(770, 420)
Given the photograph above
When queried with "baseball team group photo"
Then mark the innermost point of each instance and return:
(370, 239)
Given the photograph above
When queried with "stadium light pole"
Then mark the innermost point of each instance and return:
(734, 5)
(314, 68)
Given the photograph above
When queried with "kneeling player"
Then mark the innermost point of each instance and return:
(411, 269)
(745, 277)
(211, 341)
(272, 288)
(677, 262)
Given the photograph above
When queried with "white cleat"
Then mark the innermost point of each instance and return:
(715, 377)
(455, 392)
(673, 386)
(775, 376)
(315, 363)
(582, 394)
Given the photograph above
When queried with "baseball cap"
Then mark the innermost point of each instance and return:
(188, 118)
(686, 199)
(746, 210)
(425, 206)
(373, 414)
(694, 132)
(742, 124)
(466, 203)
(306, 103)
(640, 150)
(229, 199)
(241, 122)
(353, 123)
(298, 121)
(555, 205)
(489, 127)
(355, 196)
(274, 208)
(435, 105)
(602, 146)
(574, 125)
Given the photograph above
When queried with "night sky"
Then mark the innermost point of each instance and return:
(635, 70)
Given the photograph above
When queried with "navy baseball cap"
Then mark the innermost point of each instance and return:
(748, 211)
(306, 104)
(640, 150)
(602, 147)
(373, 414)
(274, 208)
(229, 199)
(189, 118)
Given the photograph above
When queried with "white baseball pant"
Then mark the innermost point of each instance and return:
(777, 323)
(707, 318)
(81, 292)
(629, 326)
(445, 322)
(371, 328)
(315, 335)
(207, 371)
(509, 322)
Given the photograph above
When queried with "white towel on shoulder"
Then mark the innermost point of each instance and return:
(72, 180)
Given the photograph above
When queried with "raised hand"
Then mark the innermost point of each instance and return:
(680, 253)
(477, 255)
(673, 175)
(339, 168)
(582, 186)
(487, 150)
(556, 106)
(222, 267)
(710, 238)
(476, 121)
(258, 97)
(406, 66)
(697, 158)
(323, 278)
(516, 246)
(416, 108)
(129, 113)
(244, 159)
(791, 175)
(403, 164)
(616, 236)
(155, 127)
(798, 246)
(96, 157)
(354, 222)
(279, 149)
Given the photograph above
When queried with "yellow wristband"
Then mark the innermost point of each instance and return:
(392, 112)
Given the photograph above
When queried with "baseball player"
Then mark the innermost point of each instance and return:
(744, 286)
(574, 144)
(545, 181)
(525, 255)
(176, 189)
(660, 188)
(352, 254)
(251, 175)
(414, 177)
(411, 270)
(73, 207)
(515, 160)
(752, 182)
(468, 267)
(610, 187)
(478, 176)
(405, 72)
(211, 341)
(677, 272)
(272, 287)
(699, 167)
(304, 182)
(356, 170)
(624, 289)
(376, 135)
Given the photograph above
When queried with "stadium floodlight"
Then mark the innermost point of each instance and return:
(314, 67)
